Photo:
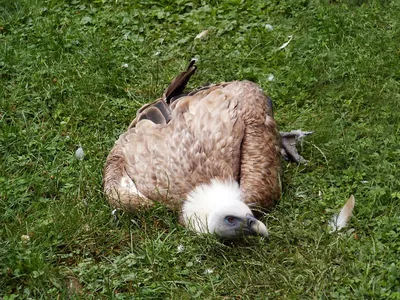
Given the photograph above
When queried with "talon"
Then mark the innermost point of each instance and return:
(289, 143)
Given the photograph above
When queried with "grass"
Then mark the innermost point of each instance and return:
(63, 84)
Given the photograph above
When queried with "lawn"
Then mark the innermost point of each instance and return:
(73, 73)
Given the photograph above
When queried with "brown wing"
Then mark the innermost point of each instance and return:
(260, 153)
(258, 160)
(201, 142)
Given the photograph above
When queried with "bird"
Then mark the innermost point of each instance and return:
(212, 154)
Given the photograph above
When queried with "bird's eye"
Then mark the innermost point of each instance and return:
(230, 219)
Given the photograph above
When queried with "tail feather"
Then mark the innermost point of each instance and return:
(178, 85)
(159, 111)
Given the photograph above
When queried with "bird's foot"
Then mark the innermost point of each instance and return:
(289, 143)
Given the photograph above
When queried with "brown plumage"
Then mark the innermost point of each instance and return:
(224, 131)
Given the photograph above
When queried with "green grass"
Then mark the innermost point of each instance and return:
(62, 84)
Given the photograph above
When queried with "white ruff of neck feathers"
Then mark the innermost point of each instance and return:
(217, 196)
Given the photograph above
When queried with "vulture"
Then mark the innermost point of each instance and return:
(212, 154)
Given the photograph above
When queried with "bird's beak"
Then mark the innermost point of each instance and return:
(255, 227)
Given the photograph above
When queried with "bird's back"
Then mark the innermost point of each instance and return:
(202, 141)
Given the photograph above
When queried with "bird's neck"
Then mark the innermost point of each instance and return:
(205, 199)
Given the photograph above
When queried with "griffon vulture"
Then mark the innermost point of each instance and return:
(213, 154)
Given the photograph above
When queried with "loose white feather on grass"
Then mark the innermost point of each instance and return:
(340, 221)
(202, 35)
(287, 43)
(79, 154)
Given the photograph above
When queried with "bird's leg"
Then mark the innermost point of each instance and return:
(289, 143)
